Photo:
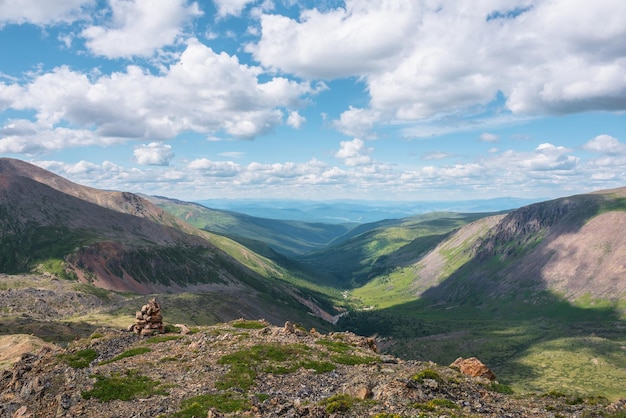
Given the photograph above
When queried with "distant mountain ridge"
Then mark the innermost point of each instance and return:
(286, 237)
(354, 211)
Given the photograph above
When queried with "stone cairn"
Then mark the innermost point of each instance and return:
(148, 320)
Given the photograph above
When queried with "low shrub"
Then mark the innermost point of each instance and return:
(122, 386)
(338, 403)
(198, 406)
(79, 359)
(500, 388)
(427, 374)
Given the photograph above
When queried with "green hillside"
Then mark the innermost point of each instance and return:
(285, 237)
(375, 250)
(480, 292)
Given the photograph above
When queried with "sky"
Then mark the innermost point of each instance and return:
(317, 100)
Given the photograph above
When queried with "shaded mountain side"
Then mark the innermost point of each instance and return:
(123, 202)
(38, 223)
(573, 247)
(45, 229)
(285, 237)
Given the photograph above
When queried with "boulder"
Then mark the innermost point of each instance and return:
(473, 367)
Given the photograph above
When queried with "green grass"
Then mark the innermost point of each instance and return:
(500, 388)
(57, 267)
(530, 347)
(247, 364)
(79, 359)
(270, 358)
(436, 404)
(123, 387)
(128, 353)
(100, 293)
(336, 346)
(243, 324)
(162, 338)
(225, 402)
(318, 366)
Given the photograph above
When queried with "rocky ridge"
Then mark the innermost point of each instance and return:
(253, 368)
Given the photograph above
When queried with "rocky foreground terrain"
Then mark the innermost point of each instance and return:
(253, 368)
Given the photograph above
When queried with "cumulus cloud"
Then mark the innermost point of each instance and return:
(42, 12)
(203, 92)
(548, 157)
(357, 122)
(354, 153)
(605, 144)
(295, 120)
(26, 137)
(215, 168)
(546, 168)
(231, 7)
(154, 153)
(442, 58)
(139, 27)
(351, 40)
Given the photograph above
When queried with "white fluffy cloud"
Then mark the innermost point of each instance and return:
(605, 144)
(204, 92)
(354, 153)
(25, 137)
(154, 153)
(357, 122)
(42, 12)
(355, 40)
(231, 7)
(139, 27)
(509, 172)
(440, 57)
(295, 120)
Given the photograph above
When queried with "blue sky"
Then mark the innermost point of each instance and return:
(370, 100)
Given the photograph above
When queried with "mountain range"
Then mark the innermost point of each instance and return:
(511, 286)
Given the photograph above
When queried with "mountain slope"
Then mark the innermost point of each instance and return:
(85, 234)
(373, 250)
(285, 237)
(571, 247)
(538, 293)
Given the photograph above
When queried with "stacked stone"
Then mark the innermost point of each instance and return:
(149, 320)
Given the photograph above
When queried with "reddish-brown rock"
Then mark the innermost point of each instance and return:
(473, 367)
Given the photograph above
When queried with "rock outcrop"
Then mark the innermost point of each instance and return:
(473, 367)
(254, 369)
